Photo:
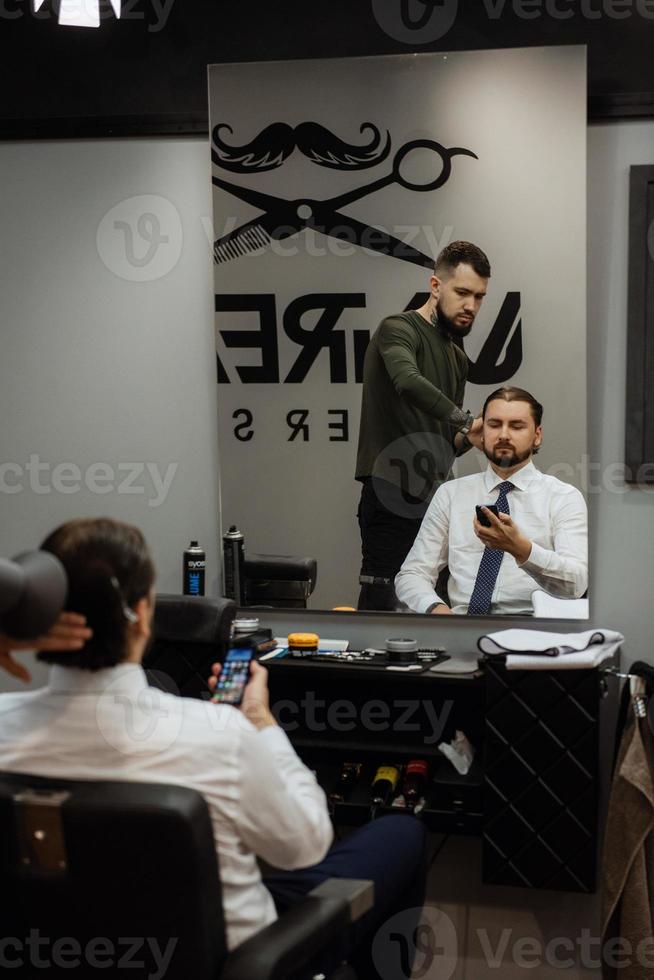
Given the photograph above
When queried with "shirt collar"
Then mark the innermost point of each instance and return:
(520, 480)
(123, 679)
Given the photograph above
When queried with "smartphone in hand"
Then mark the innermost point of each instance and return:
(481, 517)
(233, 677)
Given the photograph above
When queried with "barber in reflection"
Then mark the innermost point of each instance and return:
(412, 418)
(538, 540)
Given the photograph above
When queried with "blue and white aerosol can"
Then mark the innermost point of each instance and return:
(195, 561)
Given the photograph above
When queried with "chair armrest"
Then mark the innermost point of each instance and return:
(302, 932)
(358, 893)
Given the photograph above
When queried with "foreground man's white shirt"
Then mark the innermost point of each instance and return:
(552, 514)
(109, 724)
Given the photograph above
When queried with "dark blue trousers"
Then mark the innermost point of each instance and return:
(390, 851)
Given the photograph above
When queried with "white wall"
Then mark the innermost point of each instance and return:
(95, 368)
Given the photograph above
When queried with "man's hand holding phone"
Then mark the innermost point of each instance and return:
(502, 534)
(255, 703)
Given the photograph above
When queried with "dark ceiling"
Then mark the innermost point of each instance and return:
(146, 73)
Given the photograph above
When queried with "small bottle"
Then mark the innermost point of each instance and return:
(350, 772)
(415, 782)
(384, 785)
(234, 558)
(194, 566)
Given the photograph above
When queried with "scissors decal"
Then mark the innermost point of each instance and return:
(283, 218)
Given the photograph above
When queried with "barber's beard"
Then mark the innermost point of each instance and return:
(505, 461)
(439, 319)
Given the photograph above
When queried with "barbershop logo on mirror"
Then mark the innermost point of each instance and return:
(328, 224)
(296, 223)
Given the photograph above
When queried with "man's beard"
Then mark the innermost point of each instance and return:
(506, 462)
(439, 319)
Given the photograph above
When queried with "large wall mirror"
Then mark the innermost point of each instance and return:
(335, 184)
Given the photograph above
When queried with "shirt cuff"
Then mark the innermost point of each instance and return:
(539, 559)
(425, 601)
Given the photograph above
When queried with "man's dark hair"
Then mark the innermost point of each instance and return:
(109, 569)
(457, 253)
(511, 394)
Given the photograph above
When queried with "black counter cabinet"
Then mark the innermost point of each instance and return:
(533, 791)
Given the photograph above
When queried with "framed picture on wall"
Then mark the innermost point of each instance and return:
(639, 441)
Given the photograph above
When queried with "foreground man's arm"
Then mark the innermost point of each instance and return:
(282, 811)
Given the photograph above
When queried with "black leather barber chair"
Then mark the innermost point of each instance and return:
(190, 634)
(279, 581)
(97, 878)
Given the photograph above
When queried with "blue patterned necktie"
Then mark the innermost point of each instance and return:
(489, 566)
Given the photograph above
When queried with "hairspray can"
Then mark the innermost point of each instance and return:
(234, 557)
(195, 561)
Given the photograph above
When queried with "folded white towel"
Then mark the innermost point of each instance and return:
(540, 650)
(542, 642)
(551, 607)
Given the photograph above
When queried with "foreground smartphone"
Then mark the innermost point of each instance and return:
(234, 676)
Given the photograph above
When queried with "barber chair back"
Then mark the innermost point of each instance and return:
(279, 581)
(97, 878)
(190, 634)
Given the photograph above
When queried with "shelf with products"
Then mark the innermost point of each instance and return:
(453, 802)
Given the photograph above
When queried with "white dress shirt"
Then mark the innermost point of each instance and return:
(552, 514)
(109, 724)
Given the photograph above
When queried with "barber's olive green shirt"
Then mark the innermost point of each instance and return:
(414, 378)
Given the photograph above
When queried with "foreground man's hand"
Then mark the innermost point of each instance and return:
(256, 698)
(70, 632)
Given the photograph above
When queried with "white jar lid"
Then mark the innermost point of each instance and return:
(401, 644)
(246, 625)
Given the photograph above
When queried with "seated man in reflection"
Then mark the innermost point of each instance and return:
(539, 540)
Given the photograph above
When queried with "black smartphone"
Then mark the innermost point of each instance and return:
(234, 676)
(481, 517)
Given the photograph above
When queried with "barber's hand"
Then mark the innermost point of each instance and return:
(441, 610)
(256, 698)
(475, 433)
(504, 535)
(70, 632)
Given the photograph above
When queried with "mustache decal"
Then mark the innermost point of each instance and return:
(276, 142)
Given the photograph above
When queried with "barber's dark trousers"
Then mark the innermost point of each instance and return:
(386, 539)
